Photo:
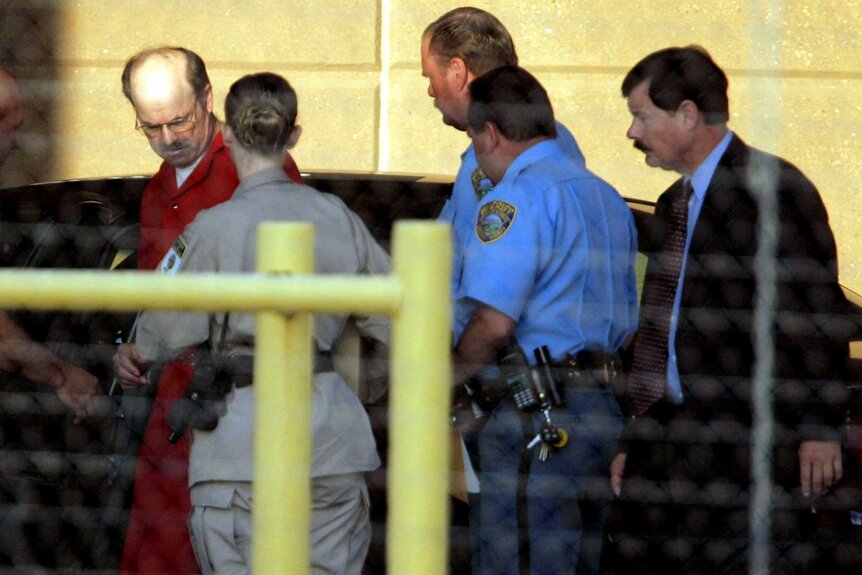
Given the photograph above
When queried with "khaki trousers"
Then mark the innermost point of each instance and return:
(340, 528)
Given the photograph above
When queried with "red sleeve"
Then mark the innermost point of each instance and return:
(291, 169)
(150, 218)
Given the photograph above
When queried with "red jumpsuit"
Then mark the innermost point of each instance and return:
(157, 540)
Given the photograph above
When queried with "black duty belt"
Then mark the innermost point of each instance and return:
(586, 369)
(241, 367)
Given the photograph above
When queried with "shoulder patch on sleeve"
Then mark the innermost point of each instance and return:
(495, 219)
(170, 264)
(481, 184)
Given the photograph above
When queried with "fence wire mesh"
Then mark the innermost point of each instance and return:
(65, 488)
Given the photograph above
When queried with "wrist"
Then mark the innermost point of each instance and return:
(56, 380)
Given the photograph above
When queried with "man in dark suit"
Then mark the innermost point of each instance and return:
(738, 297)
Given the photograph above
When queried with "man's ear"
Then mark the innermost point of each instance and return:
(208, 94)
(227, 135)
(493, 134)
(294, 137)
(459, 74)
(690, 114)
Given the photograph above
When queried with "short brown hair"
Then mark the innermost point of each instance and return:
(513, 100)
(475, 36)
(679, 74)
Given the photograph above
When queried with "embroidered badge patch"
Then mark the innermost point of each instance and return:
(481, 184)
(171, 262)
(495, 219)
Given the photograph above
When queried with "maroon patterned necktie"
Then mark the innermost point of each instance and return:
(648, 376)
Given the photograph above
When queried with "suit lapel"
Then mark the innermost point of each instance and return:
(727, 202)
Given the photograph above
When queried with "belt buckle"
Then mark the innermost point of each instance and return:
(606, 372)
(572, 367)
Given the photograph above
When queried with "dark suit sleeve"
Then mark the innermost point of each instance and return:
(811, 328)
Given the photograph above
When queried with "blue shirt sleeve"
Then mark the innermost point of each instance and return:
(502, 258)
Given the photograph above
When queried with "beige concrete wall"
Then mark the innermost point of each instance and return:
(363, 102)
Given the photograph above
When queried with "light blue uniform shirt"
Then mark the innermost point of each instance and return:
(460, 209)
(700, 180)
(552, 247)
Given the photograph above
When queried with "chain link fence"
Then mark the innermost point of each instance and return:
(65, 488)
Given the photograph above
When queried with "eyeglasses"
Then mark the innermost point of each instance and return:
(178, 126)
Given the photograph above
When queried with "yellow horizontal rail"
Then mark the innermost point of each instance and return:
(133, 290)
(415, 296)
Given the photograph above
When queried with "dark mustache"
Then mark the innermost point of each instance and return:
(639, 145)
(176, 146)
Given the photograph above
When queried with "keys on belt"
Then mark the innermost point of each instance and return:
(585, 369)
(549, 438)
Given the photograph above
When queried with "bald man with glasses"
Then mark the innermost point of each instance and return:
(173, 103)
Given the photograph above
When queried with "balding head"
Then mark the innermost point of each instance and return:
(11, 113)
(192, 66)
(159, 82)
(168, 87)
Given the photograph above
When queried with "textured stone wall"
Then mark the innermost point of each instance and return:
(363, 101)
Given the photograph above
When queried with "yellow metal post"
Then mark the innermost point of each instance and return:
(421, 380)
(283, 389)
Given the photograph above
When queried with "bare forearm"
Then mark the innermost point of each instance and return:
(76, 387)
(33, 361)
(9, 330)
(486, 333)
(14, 344)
